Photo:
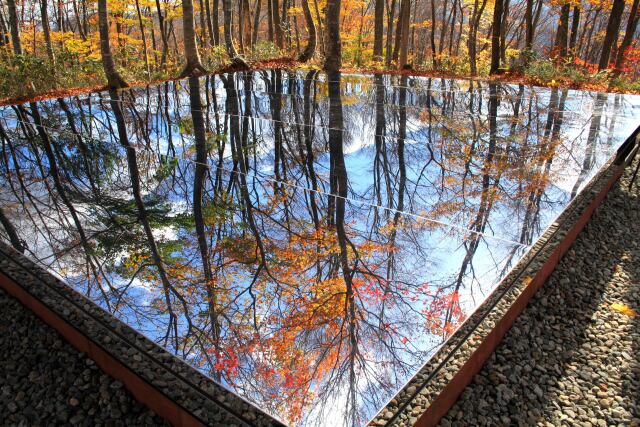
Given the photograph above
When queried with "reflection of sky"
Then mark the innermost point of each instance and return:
(431, 254)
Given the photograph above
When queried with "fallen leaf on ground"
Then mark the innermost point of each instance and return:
(624, 309)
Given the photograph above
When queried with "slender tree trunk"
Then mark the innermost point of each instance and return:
(528, 22)
(247, 24)
(390, 16)
(80, 28)
(286, 24)
(320, 26)
(454, 13)
(207, 7)
(277, 25)
(560, 44)
(575, 24)
(4, 30)
(203, 23)
(474, 22)
(193, 66)
(495, 36)
(333, 55)
(404, 35)
(163, 35)
(503, 33)
(240, 31)
(434, 55)
(236, 59)
(15, 29)
(307, 53)
(61, 21)
(256, 23)
(270, 21)
(610, 37)
(216, 22)
(143, 34)
(378, 30)
(396, 46)
(47, 32)
(632, 25)
(114, 80)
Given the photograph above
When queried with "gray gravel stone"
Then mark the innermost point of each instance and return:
(571, 357)
(46, 382)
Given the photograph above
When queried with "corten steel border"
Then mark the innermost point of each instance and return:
(141, 389)
(166, 384)
(437, 386)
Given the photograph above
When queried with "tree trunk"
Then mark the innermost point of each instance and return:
(193, 67)
(560, 44)
(474, 22)
(277, 25)
(404, 35)
(236, 60)
(434, 55)
(396, 46)
(632, 24)
(495, 37)
(575, 24)
(528, 23)
(390, 16)
(613, 26)
(378, 30)
(216, 22)
(256, 23)
(503, 33)
(203, 24)
(311, 28)
(114, 80)
(333, 55)
(163, 35)
(145, 50)
(15, 29)
(47, 32)
(4, 40)
(207, 7)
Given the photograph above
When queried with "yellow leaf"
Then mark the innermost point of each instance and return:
(527, 280)
(624, 309)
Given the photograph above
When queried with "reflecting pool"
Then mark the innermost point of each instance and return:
(307, 241)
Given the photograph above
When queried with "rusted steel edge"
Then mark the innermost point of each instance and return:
(142, 390)
(454, 388)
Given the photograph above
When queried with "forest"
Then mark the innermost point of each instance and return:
(62, 46)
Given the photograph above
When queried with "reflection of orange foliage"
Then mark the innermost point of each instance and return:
(227, 361)
(309, 339)
(443, 313)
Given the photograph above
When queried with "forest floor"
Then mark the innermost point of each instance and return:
(555, 80)
(571, 358)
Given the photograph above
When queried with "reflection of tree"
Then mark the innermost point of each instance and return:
(134, 174)
(10, 229)
(311, 304)
(592, 142)
(201, 171)
(338, 175)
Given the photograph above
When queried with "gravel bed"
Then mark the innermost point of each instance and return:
(571, 358)
(45, 381)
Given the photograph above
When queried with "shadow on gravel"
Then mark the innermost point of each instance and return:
(543, 372)
(631, 387)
